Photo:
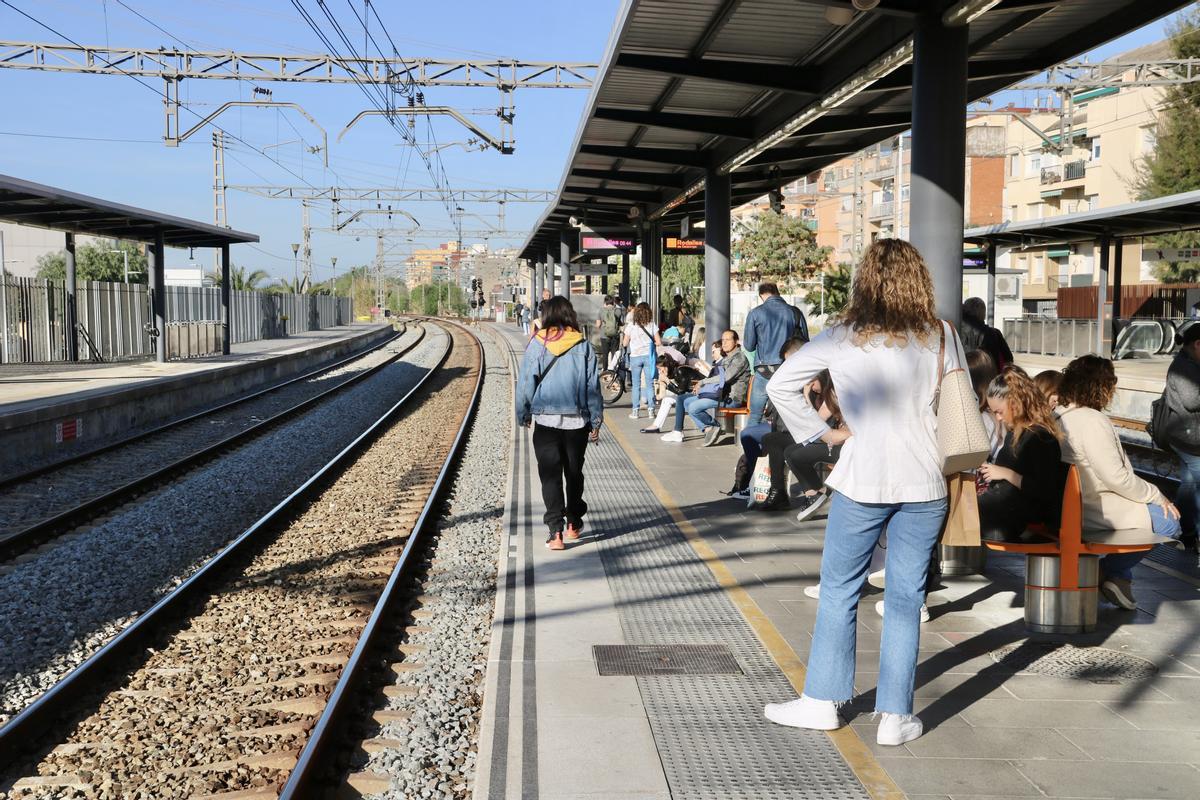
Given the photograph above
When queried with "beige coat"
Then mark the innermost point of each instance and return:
(1114, 498)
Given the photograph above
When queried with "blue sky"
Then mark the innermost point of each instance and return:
(178, 180)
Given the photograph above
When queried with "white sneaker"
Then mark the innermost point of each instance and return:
(805, 712)
(813, 591)
(896, 729)
(633, 414)
(876, 579)
(924, 618)
(673, 436)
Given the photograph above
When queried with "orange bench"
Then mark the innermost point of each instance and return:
(727, 415)
(1062, 576)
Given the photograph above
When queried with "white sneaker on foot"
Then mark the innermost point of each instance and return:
(896, 729)
(813, 591)
(876, 579)
(673, 436)
(805, 712)
(924, 614)
(633, 414)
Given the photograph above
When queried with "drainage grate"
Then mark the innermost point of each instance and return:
(1060, 660)
(665, 659)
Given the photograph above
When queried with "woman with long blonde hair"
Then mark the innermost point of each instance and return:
(1025, 476)
(882, 354)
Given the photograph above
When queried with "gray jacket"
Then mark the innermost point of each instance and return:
(1183, 399)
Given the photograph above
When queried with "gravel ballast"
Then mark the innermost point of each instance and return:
(438, 740)
(60, 605)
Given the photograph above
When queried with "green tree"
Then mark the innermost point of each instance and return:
(685, 274)
(97, 262)
(239, 278)
(836, 290)
(778, 248)
(287, 286)
(1174, 164)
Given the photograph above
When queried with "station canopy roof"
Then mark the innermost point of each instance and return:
(772, 90)
(46, 207)
(1174, 212)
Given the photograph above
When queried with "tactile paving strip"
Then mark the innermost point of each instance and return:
(711, 735)
(1060, 660)
(657, 659)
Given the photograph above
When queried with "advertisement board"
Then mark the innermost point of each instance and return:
(673, 245)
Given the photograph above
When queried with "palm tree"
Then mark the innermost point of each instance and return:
(286, 286)
(239, 279)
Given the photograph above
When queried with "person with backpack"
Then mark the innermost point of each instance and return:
(558, 393)
(768, 326)
(610, 329)
(1181, 431)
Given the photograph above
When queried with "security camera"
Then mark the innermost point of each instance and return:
(634, 212)
(864, 5)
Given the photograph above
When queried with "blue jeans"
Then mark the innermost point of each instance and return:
(1188, 496)
(758, 399)
(695, 407)
(751, 438)
(850, 537)
(639, 368)
(1120, 565)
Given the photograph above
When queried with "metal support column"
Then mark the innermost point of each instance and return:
(990, 255)
(70, 320)
(1102, 304)
(624, 288)
(226, 290)
(654, 263)
(716, 254)
(939, 155)
(604, 279)
(158, 298)
(564, 261)
(539, 282)
(551, 276)
(1118, 258)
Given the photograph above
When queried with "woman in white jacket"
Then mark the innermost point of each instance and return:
(883, 356)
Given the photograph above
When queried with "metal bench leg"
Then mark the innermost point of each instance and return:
(1052, 609)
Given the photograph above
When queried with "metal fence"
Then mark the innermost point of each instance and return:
(113, 317)
(1051, 337)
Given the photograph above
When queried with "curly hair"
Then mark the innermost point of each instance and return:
(892, 297)
(642, 315)
(1026, 404)
(1048, 382)
(1088, 381)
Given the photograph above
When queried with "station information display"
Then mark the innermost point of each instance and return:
(601, 244)
(673, 245)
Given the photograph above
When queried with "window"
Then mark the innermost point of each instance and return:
(1014, 212)
(1038, 274)
(1035, 210)
(845, 241)
(904, 191)
(1095, 142)
(1149, 139)
(847, 203)
(1013, 166)
(1035, 163)
(1009, 211)
(1093, 202)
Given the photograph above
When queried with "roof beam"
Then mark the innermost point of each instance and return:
(781, 155)
(707, 124)
(778, 77)
(672, 179)
(896, 8)
(632, 195)
(852, 123)
(654, 155)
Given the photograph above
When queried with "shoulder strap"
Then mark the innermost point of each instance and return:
(538, 380)
(941, 360)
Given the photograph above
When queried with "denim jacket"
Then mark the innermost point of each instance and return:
(571, 387)
(767, 327)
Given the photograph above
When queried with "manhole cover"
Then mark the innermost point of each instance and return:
(672, 659)
(1058, 660)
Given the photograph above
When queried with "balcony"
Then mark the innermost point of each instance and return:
(1051, 175)
(1071, 171)
(881, 210)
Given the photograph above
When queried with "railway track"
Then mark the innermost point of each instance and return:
(236, 683)
(42, 503)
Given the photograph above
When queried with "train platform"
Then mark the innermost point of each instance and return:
(46, 409)
(635, 664)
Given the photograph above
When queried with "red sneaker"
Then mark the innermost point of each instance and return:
(555, 542)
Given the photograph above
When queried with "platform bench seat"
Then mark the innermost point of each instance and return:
(1062, 576)
(733, 418)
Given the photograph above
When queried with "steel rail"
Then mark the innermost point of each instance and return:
(312, 764)
(9, 480)
(22, 540)
(26, 731)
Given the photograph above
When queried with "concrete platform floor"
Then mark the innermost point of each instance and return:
(23, 385)
(554, 728)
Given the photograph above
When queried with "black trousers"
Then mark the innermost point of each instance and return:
(560, 456)
(773, 444)
(803, 459)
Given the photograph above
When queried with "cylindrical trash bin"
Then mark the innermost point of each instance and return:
(1049, 609)
(961, 560)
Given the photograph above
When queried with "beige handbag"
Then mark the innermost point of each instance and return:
(962, 440)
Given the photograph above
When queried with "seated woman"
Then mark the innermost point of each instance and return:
(1114, 497)
(1048, 382)
(804, 455)
(726, 386)
(1024, 477)
(677, 375)
(982, 370)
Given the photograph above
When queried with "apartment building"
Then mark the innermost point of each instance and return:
(1085, 157)
(433, 264)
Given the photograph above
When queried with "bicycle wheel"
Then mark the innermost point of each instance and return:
(611, 387)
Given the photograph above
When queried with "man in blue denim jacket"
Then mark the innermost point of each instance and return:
(767, 328)
(558, 392)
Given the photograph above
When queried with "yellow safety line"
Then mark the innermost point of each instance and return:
(852, 748)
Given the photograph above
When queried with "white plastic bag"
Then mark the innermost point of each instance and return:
(761, 485)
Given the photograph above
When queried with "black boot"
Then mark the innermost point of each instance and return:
(776, 501)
